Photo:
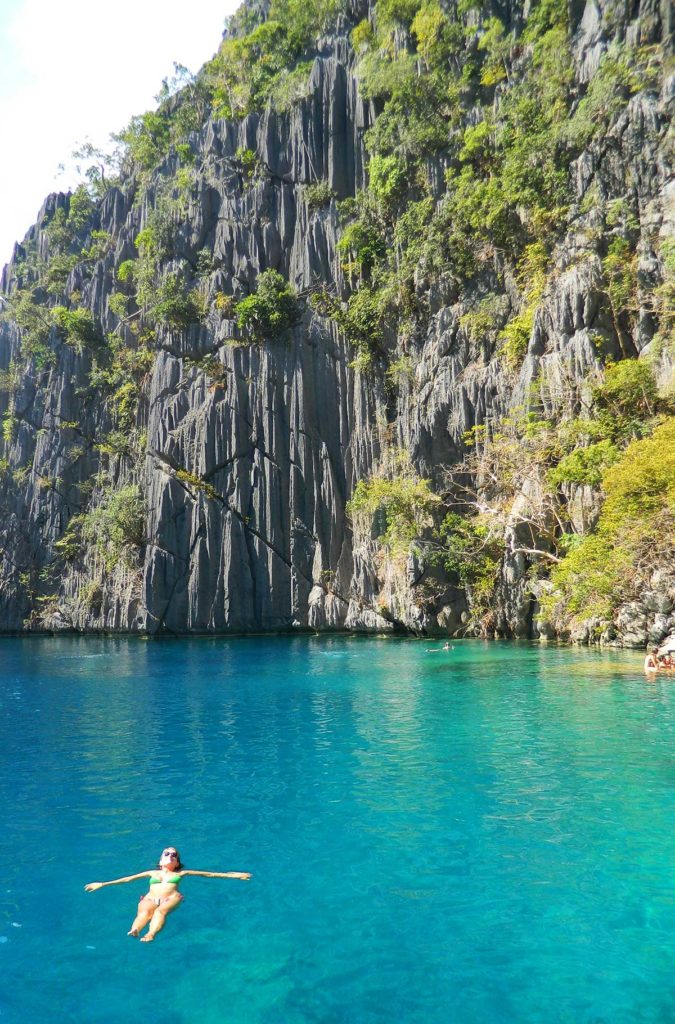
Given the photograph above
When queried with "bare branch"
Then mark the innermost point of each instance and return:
(536, 551)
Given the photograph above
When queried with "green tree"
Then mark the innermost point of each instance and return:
(626, 398)
(116, 526)
(397, 509)
(634, 536)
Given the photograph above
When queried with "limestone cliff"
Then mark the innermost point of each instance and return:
(192, 477)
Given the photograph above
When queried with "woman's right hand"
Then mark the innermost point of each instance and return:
(92, 886)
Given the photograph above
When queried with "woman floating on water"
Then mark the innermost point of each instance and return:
(163, 895)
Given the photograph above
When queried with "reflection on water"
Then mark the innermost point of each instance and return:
(482, 834)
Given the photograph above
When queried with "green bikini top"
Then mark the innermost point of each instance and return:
(172, 879)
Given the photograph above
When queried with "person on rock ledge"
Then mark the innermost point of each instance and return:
(163, 896)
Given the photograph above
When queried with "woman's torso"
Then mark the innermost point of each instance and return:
(163, 883)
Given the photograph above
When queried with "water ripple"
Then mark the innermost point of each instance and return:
(481, 836)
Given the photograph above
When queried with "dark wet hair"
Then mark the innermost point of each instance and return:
(179, 865)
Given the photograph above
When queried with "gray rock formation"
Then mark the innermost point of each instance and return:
(246, 455)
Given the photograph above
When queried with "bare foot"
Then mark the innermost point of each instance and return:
(148, 938)
(133, 933)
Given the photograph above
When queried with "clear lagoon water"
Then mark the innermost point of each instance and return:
(483, 835)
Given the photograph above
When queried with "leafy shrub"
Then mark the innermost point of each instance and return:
(146, 242)
(127, 270)
(9, 423)
(69, 544)
(635, 532)
(317, 194)
(91, 596)
(364, 244)
(118, 305)
(472, 550)
(146, 138)
(362, 35)
(115, 529)
(620, 270)
(174, 306)
(626, 398)
(585, 465)
(399, 11)
(545, 17)
(120, 371)
(116, 526)
(620, 74)
(413, 122)
(270, 311)
(77, 327)
(58, 232)
(397, 510)
(415, 238)
(243, 70)
(290, 86)
(641, 483)
(116, 443)
(588, 582)
(532, 275)
(620, 215)
(362, 363)
(224, 304)
(362, 322)
(248, 158)
(478, 144)
(57, 272)
(100, 245)
(212, 368)
(497, 47)
(196, 483)
(430, 26)
(516, 335)
(259, 63)
(479, 209)
(10, 378)
(400, 370)
(35, 321)
(387, 179)
(484, 321)
(154, 244)
(80, 209)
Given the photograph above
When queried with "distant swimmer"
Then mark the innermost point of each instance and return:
(445, 647)
(162, 896)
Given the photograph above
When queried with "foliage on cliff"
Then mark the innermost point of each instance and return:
(466, 205)
(525, 472)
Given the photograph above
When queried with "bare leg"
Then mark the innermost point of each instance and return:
(145, 911)
(158, 919)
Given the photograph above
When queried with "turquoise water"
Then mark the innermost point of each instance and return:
(484, 835)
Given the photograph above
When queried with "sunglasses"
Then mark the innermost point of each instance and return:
(169, 853)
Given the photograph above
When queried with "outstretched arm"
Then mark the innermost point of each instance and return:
(243, 875)
(92, 886)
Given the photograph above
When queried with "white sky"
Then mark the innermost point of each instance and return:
(72, 70)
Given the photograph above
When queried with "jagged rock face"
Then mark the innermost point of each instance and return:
(246, 474)
(281, 439)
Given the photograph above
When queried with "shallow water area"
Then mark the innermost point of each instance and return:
(475, 835)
